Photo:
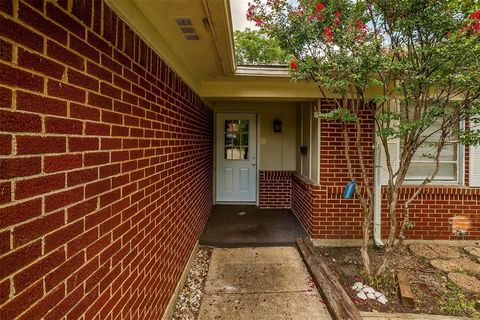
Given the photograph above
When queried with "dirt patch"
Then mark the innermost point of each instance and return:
(434, 292)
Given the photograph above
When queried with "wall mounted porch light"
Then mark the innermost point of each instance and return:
(277, 126)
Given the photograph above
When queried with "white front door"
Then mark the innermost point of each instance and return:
(236, 157)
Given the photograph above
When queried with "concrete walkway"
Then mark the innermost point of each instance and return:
(260, 283)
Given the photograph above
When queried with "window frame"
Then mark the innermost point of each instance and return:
(460, 179)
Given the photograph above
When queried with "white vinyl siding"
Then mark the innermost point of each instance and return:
(475, 162)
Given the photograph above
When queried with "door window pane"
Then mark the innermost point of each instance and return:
(236, 153)
(232, 139)
(243, 125)
(236, 139)
(244, 139)
(244, 153)
(232, 125)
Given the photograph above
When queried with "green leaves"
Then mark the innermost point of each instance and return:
(254, 48)
(470, 137)
(420, 52)
(338, 114)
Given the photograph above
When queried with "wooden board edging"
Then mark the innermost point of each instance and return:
(406, 294)
(338, 302)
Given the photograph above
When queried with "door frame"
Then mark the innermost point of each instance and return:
(257, 152)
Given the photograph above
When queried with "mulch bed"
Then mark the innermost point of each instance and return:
(434, 293)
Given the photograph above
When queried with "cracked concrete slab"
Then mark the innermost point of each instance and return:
(260, 283)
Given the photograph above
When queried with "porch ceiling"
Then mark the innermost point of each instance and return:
(207, 64)
(207, 58)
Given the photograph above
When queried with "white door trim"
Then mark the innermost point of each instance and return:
(217, 152)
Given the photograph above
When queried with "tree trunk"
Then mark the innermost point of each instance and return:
(366, 238)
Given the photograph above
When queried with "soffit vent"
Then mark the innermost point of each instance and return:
(185, 26)
(191, 37)
(187, 29)
(183, 22)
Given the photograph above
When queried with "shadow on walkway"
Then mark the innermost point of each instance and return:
(240, 226)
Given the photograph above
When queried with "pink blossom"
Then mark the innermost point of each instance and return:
(336, 21)
(475, 15)
(293, 65)
(250, 11)
(475, 25)
(320, 7)
(327, 31)
(258, 22)
(360, 25)
(338, 14)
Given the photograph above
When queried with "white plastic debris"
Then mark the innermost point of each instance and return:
(382, 300)
(371, 296)
(365, 292)
(357, 286)
(368, 290)
(362, 295)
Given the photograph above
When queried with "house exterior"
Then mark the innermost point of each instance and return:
(119, 132)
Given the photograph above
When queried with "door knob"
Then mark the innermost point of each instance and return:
(253, 164)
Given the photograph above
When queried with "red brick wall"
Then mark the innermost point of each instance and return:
(302, 203)
(326, 215)
(105, 168)
(323, 212)
(333, 167)
(321, 208)
(433, 211)
(275, 189)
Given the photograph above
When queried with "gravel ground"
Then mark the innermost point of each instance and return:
(188, 302)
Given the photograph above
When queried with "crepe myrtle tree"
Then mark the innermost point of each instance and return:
(413, 64)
